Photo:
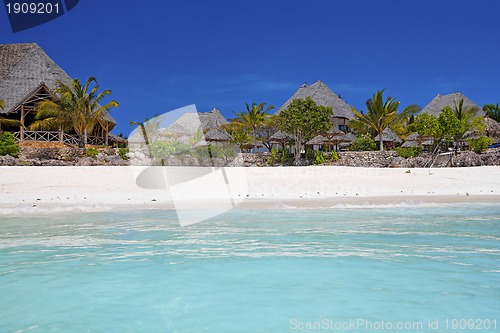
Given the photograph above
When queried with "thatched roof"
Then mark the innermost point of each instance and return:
(439, 102)
(323, 96)
(317, 140)
(388, 136)
(334, 132)
(216, 134)
(23, 70)
(190, 122)
(415, 140)
(279, 137)
(117, 139)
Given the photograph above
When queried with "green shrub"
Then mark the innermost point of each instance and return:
(478, 145)
(408, 152)
(334, 156)
(122, 152)
(273, 158)
(363, 143)
(163, 149)
(285, 156)
(91, 152)
(319, 157)
(8, 145)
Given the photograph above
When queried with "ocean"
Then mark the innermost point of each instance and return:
(400, 269)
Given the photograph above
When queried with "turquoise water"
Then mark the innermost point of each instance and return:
(253, 271)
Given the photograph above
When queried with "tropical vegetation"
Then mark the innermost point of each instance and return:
(8, 145)
(77, 108)
(363, 142)
(380, 114)
(451, 125)
(492, 111)
(255, 116)
(4, 121)
(303, 119)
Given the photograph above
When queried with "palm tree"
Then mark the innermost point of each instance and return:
(380, 114)
(149, 129)
(78, 107)
(253, 118)
(492, 111)
(4, 121)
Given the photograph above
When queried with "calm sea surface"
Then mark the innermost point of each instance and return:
(329, 270)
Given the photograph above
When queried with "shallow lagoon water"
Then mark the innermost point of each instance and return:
(252, 271)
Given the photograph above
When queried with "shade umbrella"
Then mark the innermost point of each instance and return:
(317, 140)
(217, 135)
(280, 138)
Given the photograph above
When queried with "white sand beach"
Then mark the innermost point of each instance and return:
(48, 189)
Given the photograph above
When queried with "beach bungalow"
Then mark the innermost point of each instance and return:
(440, 101)
(27, 77)
(324, 96)
(389, 138)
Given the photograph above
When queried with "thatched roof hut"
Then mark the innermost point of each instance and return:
(27, 76)
(323, 96)
(317, 140)
(388, 136)
(415, 140)
(218, 135)
(190, 122)
(334, 133)
(279, 137)
(439, 102)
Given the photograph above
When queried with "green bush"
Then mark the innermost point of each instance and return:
(163, 149)
(334, 156)
(91, 152)
(363, 143)
(273, 158)
(408, 152)
(478, 145)
(285, 156)
(8, 145)
(122, 152)
(319, 157)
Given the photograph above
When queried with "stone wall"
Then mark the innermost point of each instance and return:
(390, 159)
(387, 159)
(31, 156)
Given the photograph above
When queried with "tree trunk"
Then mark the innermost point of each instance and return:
(381, 145)
(298, 144)
(254, 140)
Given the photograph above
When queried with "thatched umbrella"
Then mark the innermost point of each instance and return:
(416, 140)
(347, 140)
(388, 136)
(280, 138)
(317, 140)
(335, 137)
(217, 135)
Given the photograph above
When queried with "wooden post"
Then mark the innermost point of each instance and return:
(106, 134)
(21, 129)
(60, 134)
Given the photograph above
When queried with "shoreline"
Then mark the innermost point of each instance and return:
(46, 190)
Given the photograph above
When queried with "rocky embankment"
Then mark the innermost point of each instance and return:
(29, 156)
(390, 159)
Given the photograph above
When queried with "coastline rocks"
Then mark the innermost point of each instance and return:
(7, 160)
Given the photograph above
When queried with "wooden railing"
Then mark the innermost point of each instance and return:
(54, 136)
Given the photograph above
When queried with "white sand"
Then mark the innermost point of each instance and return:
(48, 189)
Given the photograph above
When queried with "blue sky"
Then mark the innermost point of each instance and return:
(160, 55)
